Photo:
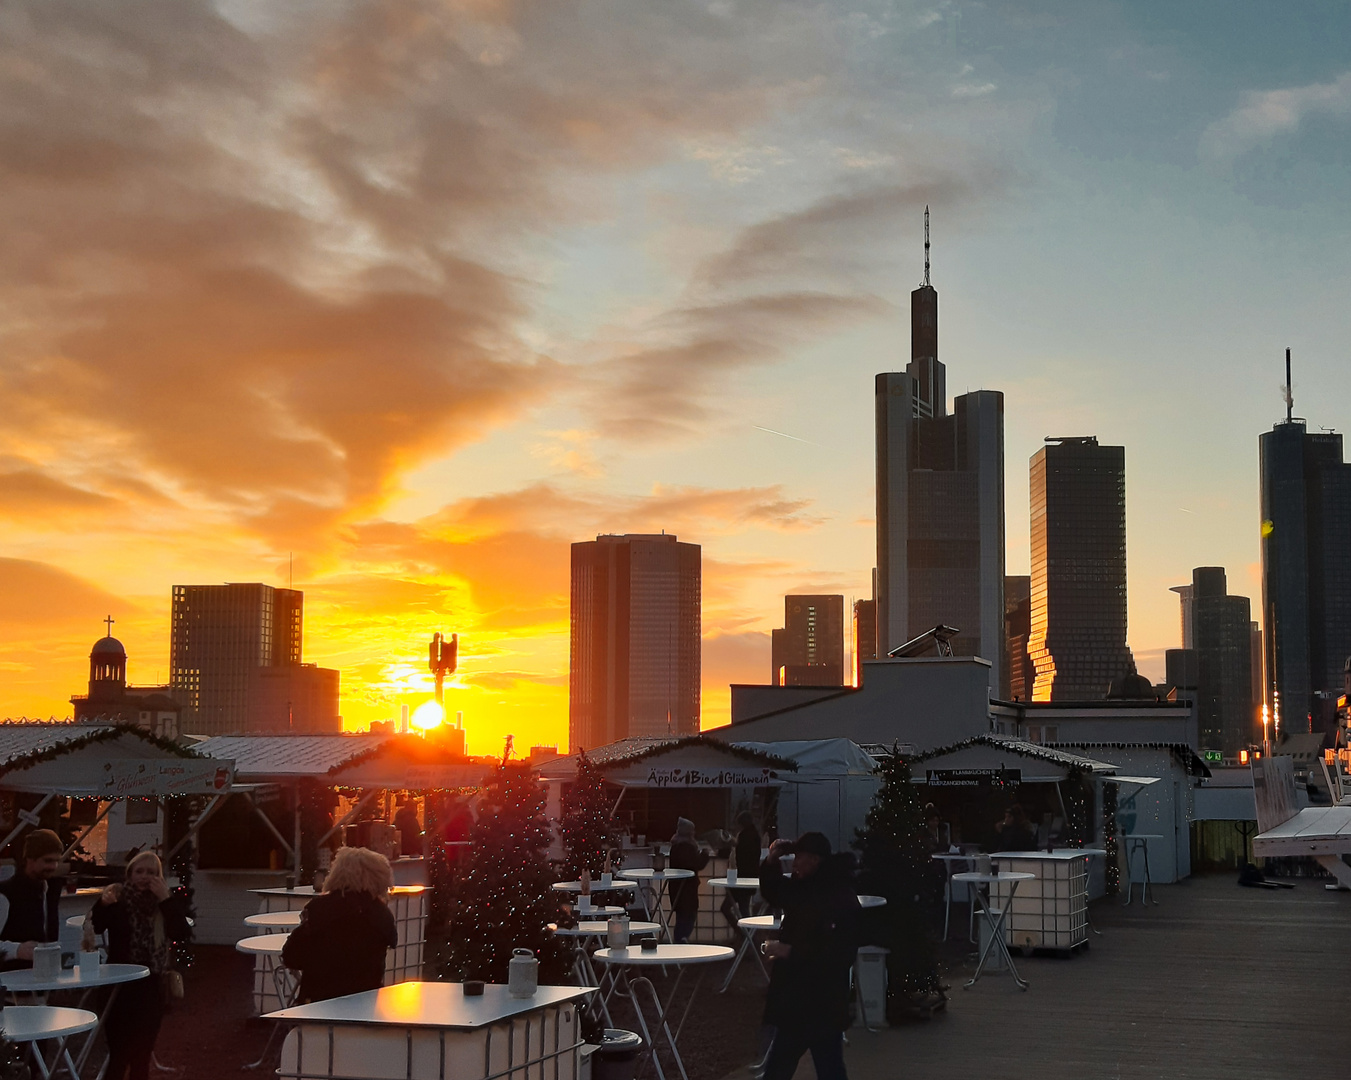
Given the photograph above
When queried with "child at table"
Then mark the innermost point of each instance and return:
(142, 921)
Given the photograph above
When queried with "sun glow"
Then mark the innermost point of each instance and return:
(428, 715)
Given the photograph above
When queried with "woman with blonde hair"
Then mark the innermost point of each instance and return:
(142, 921)
(339, 947)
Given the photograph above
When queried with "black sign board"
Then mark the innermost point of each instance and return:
(972, 777)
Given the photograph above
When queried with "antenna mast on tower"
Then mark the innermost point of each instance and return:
(1289, 391)
(926, 245)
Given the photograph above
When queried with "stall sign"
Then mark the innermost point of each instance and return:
(708, 778)
(132, 777)
(972, 777)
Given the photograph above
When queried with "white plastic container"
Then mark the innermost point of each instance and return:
(47, 960)
(522, 974)
(617, 936)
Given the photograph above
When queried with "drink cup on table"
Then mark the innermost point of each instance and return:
(89, 964)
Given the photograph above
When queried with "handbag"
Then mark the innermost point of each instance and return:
(171, 983)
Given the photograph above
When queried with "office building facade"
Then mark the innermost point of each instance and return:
(235, 651)
(809, 649)
(1078, 635)
(1217, 632)
(1306, 573)
(1017, 628)
(635, 639)
(865, 635)
(940, 502)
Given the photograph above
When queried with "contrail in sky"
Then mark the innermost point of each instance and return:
(784, 434)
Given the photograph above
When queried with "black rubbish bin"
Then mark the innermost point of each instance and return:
(617, 1058)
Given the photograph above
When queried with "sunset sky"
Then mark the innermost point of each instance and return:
(421, 292)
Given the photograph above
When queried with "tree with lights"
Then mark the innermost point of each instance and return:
(586, 825)
(504, 900)
(895, 863)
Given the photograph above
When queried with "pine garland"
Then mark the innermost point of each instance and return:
(504, 900)
(97, 735)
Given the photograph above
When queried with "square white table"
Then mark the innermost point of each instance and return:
(679, 956)
(431, 1031)
(995, 918)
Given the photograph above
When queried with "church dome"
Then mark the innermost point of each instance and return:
(108, 647)
(1132, 686)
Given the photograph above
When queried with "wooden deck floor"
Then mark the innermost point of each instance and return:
(1215, 983)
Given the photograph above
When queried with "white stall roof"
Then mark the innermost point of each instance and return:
(992, 752)
(392, 762)
(691, 761)
(103, 760)
(278, 757)
(835, 757)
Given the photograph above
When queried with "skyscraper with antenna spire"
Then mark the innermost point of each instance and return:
(1306, 570)
(940, 500)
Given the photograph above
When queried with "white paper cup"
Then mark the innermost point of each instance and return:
(731, 876)
(89, 964)
(606, 880)
(584, 902)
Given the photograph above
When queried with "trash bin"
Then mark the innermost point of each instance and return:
(617, 1057)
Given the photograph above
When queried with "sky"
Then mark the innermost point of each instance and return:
(398, 298)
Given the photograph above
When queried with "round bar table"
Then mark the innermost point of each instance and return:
(655, 881)
(678, 956)
(273, 920)
(38, 1023)
(26, 981)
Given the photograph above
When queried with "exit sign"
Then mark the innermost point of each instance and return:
(1214, 756)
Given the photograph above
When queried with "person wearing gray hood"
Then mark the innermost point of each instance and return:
(685, 855)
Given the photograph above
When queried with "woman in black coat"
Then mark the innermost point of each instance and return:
(142, 921)
(685, 855)
(344, 933)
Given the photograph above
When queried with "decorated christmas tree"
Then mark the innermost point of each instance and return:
(504, 900)
(586, 825)
(895, 863)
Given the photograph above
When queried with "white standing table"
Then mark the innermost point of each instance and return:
(276, 978)
(589, 935)
(678, 956)
(431, 1031)
(273, 920)
(950, 861)
(655, 892)
(40, 1023)
(26, 981)
(995, 917)
(1139, 842)
(749, 927)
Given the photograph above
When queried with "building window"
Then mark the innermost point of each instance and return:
(142, 811)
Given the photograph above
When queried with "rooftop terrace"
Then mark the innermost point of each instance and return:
(1215, 983)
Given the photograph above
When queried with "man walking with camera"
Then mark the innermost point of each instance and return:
(808, 1002)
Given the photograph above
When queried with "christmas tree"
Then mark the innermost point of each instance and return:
(895, 863)
(504, 900)
(586, 825)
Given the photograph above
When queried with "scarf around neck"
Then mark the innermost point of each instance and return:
(149, 943)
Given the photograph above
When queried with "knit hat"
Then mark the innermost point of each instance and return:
(812, 843)
(684, 827)
(40, 843)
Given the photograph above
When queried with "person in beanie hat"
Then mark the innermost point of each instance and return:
(808, 1000)
(685, 855)
(30, 901)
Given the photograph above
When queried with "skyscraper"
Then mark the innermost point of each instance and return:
(1017, 629)
(809, 650)
(235, 662)
(1216, 630)
(865, 636)
(1078, 641)
(1306, 571)
(635, 651)
(940, 500)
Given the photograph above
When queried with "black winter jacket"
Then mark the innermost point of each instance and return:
(339, 947)
(809, 988)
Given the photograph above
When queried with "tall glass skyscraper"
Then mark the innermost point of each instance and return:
(1078, 639)
(636, 637)
(940, 501)
(1306, 573)
(1216, 630)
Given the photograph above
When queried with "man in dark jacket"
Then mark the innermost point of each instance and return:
(30, 901)
(747, 863)
(808, 1002)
